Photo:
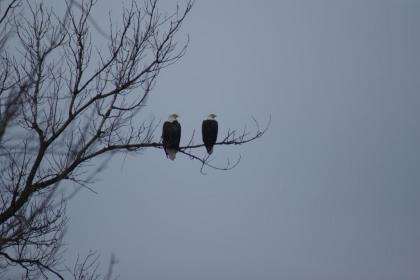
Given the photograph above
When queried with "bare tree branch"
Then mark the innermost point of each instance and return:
(65, 102)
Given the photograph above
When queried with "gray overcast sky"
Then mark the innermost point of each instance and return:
(330, 192)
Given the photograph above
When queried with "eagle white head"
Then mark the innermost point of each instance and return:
(173, 117)
(211, 116)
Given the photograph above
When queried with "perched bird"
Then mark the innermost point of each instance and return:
(209, 132)
(171, 135)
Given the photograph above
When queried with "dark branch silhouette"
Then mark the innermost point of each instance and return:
(65, 102)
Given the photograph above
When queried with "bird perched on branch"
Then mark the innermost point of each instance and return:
(209, 129)
(171, 136)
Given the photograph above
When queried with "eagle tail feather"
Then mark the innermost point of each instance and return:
(171, 153)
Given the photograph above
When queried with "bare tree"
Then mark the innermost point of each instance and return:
(65, 102)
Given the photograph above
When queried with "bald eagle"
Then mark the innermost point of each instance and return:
(171, 135)
(209, 129)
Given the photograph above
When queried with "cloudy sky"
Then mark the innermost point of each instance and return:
(330, 192)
